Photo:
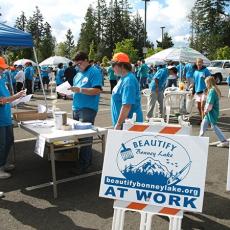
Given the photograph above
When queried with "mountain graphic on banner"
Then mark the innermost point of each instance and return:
(150, 166)
(147, 171)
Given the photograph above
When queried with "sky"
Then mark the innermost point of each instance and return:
(62, 15)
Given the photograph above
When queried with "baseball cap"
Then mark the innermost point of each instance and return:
(3, 64)
(121, 57)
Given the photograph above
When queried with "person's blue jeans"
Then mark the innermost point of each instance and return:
(216, 129)
(143, 83)
(85, 156)
(6, 142)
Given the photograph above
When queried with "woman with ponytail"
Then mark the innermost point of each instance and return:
(211, 111)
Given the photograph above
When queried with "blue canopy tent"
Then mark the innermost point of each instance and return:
(12, 37)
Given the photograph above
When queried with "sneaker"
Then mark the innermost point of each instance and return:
(3, 174)
(223, 144)
(9, 167)
(1, 194)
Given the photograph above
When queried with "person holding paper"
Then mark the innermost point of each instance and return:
(87, 85)
(6, 128)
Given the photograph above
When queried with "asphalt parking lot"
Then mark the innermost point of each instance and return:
(78, 206)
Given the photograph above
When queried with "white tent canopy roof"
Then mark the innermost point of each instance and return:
(24, 61)
(183, 54)
(54, 61)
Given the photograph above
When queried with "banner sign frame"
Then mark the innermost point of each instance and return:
(155, 169)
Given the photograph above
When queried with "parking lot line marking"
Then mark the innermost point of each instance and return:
(225, 109)
(222, 123)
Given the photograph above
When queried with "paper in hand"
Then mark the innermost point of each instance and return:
(63, 88)
(21, 100)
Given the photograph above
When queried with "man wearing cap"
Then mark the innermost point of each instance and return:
(6, 128)
(126, 98)
(87, 86)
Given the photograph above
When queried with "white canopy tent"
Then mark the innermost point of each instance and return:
(24, 61)
(15, 38)
(183, 54)
(54, 61)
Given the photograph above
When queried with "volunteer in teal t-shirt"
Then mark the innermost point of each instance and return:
(199, 75)
(126, 98)
(6, 128)
(29, 75)
(87, 85)
(143, 74)
(211, 112)
(157, 87)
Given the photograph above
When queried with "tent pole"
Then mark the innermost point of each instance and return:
(40, 77)
(11, 83)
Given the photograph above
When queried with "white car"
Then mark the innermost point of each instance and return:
(220, 69)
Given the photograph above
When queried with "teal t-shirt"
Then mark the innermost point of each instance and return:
(199, 79)
(126, 92)
(143, 71)
(5, 110)
(111, 74)
(90, 78)
(213, 99)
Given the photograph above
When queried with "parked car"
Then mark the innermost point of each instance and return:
(220, 69)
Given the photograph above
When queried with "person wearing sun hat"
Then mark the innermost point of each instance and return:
(6, 128)
(126, 97)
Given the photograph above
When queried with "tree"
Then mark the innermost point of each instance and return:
(127, 46)
(152, 51)
(166, 43)
(110, 24)
(69, 43)
(21, 22)
(88, 31)
(109, 36)
(35, 26)
(60, 49)
(47, 43)
(105, 61)
(92, 54)
(101, 15)
(137, 32)
(223, 53)
(208, 25)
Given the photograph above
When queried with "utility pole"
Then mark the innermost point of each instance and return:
(144, 48)
(162, 36)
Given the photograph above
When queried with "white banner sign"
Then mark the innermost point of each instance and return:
(155, 169)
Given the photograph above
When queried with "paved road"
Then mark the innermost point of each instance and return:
(79, 207)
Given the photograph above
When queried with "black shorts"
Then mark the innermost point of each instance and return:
(45, 80)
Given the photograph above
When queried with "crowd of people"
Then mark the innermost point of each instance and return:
(127, 81)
